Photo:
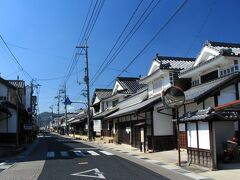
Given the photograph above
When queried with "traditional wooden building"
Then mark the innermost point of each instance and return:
(141, 119)
(215, 82)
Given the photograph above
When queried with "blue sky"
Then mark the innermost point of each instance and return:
(43, 35)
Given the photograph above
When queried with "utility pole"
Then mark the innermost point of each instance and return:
(65, 105)
(86, 79)
(18, 119)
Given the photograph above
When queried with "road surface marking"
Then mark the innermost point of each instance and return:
(107, 153)
(64, 153)
(95, 174)
(50, 154)
(93, 153)
(79, 153)
(82, 163)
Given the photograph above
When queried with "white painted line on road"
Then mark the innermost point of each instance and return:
(93, 153)
(107, 153)
(79, 153)
(50, 154)
(86, 148)
(83, 163)
(64, 153)
(95, 174)
(195, 176)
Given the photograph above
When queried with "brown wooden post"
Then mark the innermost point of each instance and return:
(198, 143)
(152, 131)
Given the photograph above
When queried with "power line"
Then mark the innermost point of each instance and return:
(135, 28)
(152, 39)
(15, 58)
(119, 37)
(88, 30)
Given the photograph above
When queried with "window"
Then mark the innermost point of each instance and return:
(210, 76)
(107, 104)
(114, 103)
(231, 69)
(195, 82)
(3, 98)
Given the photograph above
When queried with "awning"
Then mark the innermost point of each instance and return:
(231, 106)
(136, 108)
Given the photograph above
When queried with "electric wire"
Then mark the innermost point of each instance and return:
(179, 8)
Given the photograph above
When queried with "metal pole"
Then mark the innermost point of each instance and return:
(178, 138)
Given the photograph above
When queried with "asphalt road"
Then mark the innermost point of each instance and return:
(67, 159)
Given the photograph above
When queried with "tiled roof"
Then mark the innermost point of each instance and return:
(175, 63)
(103, 93)
(130, 84)
(17, 83)
(208, 114)
(223, 44)
(105, 113)
(136, 107)
(201, 90)
(6, 83)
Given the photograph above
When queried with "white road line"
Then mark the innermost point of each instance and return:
(50, 154)
(64, 153)
(93, 153)
(79, 153)
(107, 153)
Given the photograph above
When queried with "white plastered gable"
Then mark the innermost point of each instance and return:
(206, 54)
(117, 87)
(97, 100)
(155, 66)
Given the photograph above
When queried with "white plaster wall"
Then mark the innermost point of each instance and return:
(227, 95)
(12, 121)
(181, 110)
(163, 124)
(150, 89)
(193, 107)
(203, 134)
(209, 102)
(192, 135)
(133, 100)
(166, 82)
(97, 126)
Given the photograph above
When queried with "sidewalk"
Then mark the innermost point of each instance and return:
(170, 158)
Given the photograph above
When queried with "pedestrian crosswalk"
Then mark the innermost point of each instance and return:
(76, 153)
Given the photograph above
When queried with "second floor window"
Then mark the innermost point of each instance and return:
(209, 76)
(114, 103)
(3, 98)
